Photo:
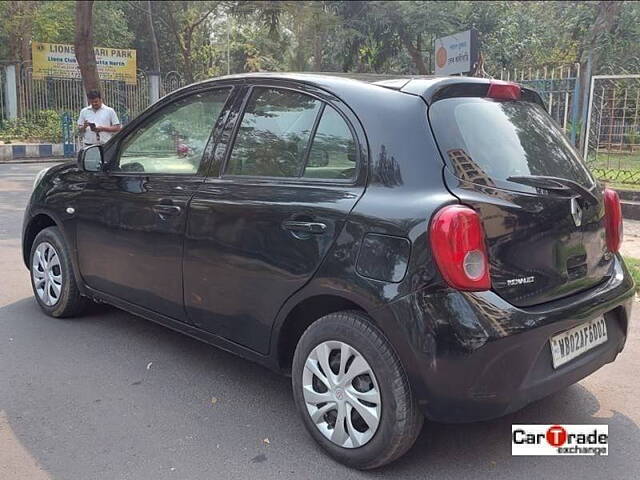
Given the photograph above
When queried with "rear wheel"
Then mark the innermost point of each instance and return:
(52, 278)
(352, 392)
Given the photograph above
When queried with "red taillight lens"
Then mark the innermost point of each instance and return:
(504, 90)
(613, 219)
(457, 243)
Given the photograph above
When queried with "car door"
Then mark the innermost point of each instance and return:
(131, 219)
(275, 202)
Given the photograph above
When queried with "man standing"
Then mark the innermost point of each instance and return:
(97, 122)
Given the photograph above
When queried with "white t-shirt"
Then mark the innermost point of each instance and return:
(103, 117)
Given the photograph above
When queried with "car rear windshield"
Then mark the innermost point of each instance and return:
(486, 141)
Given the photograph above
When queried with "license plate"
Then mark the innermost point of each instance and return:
(574, 342)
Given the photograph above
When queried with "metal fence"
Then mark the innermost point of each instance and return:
(612, 146)
(559, 88)
(170, 81)
(67, 94)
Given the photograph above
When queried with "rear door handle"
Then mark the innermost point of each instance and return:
(167, 210)
(304, 227)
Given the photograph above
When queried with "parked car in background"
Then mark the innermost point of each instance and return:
(404, 248)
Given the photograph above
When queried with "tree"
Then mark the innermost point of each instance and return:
(184, 20)
(54, 22)
(153, 40)
(85, 54)
(15, 30)
(593, 46)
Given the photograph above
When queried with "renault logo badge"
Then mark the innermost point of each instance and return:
(576, 212)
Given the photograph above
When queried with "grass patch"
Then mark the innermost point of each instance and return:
(617, 160)
(633, 264)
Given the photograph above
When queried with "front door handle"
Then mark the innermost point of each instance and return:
(165, 210)
(304, 227)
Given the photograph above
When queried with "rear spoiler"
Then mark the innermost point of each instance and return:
(439, 88)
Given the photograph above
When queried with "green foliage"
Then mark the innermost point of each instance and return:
(362, 36)
(44, 126)
(54, 22)
(632, 138)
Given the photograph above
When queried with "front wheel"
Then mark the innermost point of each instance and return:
(52, 279)
(352, 392)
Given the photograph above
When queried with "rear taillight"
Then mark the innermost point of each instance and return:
(457, 243)
(504, 90)
(613, 219)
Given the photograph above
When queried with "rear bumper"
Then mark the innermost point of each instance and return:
(473, 356)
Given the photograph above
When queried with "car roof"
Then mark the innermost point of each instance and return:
(329, 79)
(425, 86)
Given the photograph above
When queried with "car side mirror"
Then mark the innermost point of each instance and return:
(90, 159)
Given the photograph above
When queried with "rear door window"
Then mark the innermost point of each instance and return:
(285, 133)
(274, 134)
(485, 142)
(333, 151)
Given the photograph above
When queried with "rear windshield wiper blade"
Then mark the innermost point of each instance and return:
(555, 184)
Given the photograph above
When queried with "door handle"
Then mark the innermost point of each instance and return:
(304, 227)
(167, 209)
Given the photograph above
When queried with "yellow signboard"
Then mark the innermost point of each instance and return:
(59, 60)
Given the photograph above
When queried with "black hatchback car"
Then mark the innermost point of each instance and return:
(403, 247)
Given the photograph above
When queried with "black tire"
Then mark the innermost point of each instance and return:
(70, 302)
(400, 420)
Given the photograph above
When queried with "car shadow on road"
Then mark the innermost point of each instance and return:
(153, 362)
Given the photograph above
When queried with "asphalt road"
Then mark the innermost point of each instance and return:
(112, 396)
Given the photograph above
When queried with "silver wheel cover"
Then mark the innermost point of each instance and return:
(341, 394)
(47, 274)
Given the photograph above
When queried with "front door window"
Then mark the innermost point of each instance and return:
(175, 138)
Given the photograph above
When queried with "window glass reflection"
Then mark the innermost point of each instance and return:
(274, 134)
(173, 142)
(333, 153)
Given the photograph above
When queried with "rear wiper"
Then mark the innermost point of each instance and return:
(555, 184)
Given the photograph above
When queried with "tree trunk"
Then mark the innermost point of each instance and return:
(18, 29)
(299, 57)
(318, 39)
(605, 23)
(25, 41)
(317, 51)
(85, 55)
(186, 55)
(155, 52)
(414, 53)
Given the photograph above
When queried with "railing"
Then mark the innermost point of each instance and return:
(67, 94)
(612, 146)
(558, 86)
(170, 82)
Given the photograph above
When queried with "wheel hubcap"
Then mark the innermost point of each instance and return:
(47, 274)
(341, 394)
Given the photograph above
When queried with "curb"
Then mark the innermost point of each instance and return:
(37, 160)
(21, 151)
(630, 204)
